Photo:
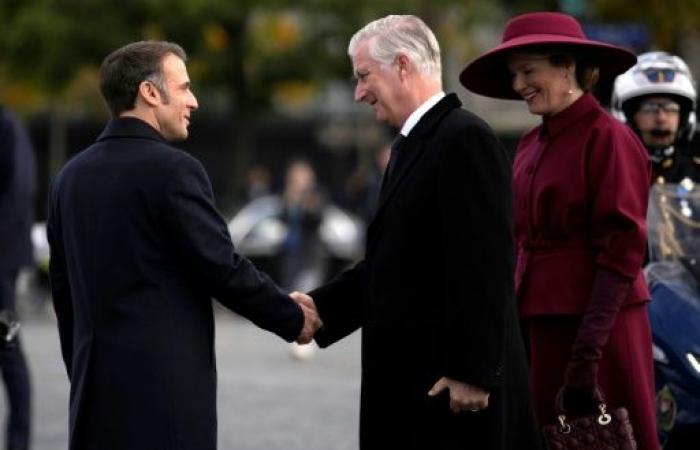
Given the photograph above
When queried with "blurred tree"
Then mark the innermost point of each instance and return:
(244, 55)
(668, 20)
(249, 53)
(241, 49)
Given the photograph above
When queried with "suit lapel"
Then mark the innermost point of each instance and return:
(412, 147)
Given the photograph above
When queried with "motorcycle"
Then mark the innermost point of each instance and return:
(299, 249)
(262, 230)
(673, 274)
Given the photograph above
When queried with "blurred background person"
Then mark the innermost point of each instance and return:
(361, 189)
(258, 182)
(297, 233)
(581, 183)
(303, 258)
(657, 99)
(17, 189)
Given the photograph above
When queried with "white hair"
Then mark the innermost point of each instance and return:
(393, 35)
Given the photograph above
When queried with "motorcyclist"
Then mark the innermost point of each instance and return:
(657, 99)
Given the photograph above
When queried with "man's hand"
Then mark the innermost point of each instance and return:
(312, 322)
(463, 397)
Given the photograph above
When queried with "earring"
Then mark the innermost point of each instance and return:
(566, 77)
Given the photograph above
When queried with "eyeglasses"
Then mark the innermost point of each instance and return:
(650, 107)
(660, 75)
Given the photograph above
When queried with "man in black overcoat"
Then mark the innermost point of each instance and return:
(137, 252)
(17, 189)
(443, 363)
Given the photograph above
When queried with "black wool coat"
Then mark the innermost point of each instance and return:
(137, 252)
(18, 184)
(434, 295)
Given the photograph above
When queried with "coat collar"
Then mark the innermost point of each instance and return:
(412, 147)
(552, 126)
(130, 127)
(433, 116)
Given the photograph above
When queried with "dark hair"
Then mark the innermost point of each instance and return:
(123, 70)
(587, 72)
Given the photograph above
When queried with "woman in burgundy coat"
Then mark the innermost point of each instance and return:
(581, 186)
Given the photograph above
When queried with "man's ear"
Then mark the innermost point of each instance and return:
(404, 65)
(149, 93)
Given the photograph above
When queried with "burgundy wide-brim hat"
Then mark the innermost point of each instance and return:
(488, 74)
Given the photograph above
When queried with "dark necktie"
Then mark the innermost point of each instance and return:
(393, 156)
(395, 144)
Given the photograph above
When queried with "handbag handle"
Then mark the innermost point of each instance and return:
(603, 418)
(597, 395)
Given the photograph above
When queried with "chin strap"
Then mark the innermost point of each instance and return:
(660, 154)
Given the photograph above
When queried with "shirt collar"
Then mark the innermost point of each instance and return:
(420, 112)
(553, 125)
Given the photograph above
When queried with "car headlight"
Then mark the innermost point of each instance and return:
(694, 361)
(658, 354)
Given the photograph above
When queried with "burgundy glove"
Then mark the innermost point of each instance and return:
(581, 376)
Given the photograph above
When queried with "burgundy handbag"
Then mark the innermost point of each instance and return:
(601, 431)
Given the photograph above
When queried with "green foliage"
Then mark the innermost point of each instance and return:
(242, 50)
(668, 20)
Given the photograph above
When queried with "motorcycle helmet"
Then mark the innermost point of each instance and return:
(656, 73)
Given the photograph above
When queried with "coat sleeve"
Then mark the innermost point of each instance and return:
(475, 197)
(619, 172)
(60, 284)
(200, 237)
(339, 305)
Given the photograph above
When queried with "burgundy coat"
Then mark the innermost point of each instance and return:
(581, 184)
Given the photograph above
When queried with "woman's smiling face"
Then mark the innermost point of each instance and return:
(547, 89)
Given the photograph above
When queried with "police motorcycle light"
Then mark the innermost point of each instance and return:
(687, 184)
(655, 75)
(685, 209)
(658, 354)
(694, 361)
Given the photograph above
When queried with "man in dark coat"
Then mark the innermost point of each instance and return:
(137, 252)
(443, 363)
(17, 190)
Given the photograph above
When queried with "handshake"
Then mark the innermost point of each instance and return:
(312, 321)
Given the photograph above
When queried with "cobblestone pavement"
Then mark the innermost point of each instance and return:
(267, 400)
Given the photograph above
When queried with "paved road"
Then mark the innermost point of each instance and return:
(267, 400)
